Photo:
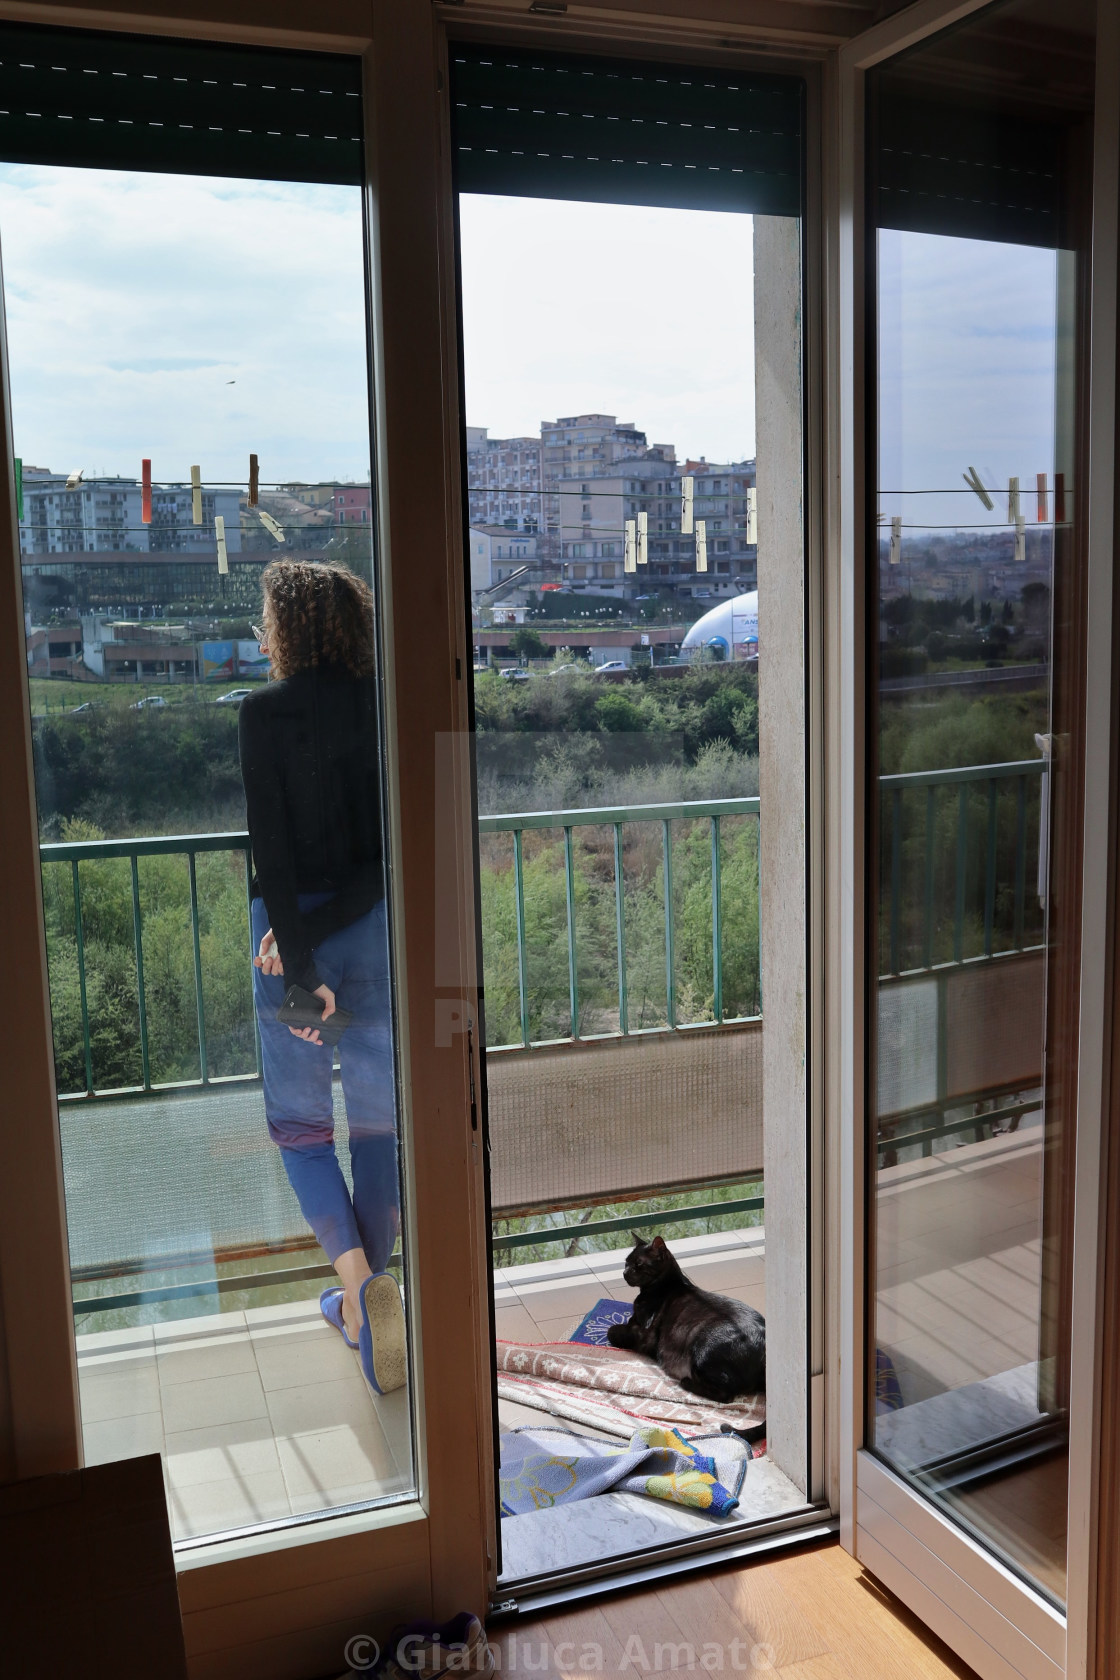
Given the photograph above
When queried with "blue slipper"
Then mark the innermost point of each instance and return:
(381, 1340)
(330, 1305)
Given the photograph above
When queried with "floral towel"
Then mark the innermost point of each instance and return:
(612, 1389)
(546, 1467)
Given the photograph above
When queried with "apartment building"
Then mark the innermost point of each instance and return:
(102, 515)
(593, 513)
(504, 480)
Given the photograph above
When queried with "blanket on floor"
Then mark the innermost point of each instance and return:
(545, 1467)
(612, 1390)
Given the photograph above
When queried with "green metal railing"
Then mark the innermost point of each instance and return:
(1013, 779)
(75, 853)
(714, 811)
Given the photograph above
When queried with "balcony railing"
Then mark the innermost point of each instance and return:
(958, 849)
(649, 888)
(957, 845)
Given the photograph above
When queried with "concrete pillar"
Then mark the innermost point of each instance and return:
(782, 779)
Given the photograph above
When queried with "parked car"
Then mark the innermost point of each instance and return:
(148, 701)
(86, 707)
(559, 670)
(514, 673)
(233, 698)
(611, 665)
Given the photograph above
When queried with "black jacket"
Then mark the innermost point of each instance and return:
(309, 761)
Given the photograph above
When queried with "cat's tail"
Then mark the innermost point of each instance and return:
(755, 1433)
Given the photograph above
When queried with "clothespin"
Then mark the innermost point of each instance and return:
(220, 538)
(896, 540)
(146, 492)
(254, 480)
(701, 545)
(688, 488)
(19, 489)
(630, 546)
(74, 479)
(1020, 538)
(643, 532)
(972, 479)
(196, 495)
(1059, 498)
(1041, 480)
(270, 525)
(752, 516)
(1013, 501)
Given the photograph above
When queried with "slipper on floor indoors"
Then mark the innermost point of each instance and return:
(330, 1305)
(381, 1340)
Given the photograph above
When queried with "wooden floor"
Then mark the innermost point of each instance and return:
(809, 1615)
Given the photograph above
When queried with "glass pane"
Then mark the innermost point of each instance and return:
(190, 408)
(979, 195)
(618, 570)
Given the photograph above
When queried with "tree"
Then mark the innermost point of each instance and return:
(527, 644)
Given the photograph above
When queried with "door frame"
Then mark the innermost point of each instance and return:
(283, 1603)
(990, 1617)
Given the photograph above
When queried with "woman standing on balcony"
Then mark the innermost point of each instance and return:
(309, 760)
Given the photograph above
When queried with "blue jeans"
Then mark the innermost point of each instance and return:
(299, 1093)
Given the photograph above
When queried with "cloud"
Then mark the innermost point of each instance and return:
(605, 308)
(133, 299)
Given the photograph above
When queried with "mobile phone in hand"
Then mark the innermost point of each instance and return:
(302, 1008)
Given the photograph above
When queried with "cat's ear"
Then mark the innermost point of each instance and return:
(658, 1242)
(639, 1240)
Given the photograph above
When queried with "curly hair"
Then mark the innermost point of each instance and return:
(317, 614)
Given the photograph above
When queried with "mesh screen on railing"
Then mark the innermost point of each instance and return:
(109, 101)
(537, 124)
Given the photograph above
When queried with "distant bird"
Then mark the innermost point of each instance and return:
(231, 382)
(75, 478)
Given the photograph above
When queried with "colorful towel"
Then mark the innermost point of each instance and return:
(612, 1389)
(542, 1468)
(592, 1330)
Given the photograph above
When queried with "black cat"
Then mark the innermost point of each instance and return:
(712, 1346)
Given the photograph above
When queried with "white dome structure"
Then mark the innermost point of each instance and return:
(729, 631)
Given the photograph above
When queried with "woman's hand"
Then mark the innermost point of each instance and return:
(267, 958)
(311, 1034)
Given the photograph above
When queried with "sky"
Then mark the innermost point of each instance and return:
(193, 320)
(134, 300)
(645, 314)
(966, 375)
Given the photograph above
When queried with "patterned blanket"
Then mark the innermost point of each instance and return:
(612, 1390)
(545, 1467)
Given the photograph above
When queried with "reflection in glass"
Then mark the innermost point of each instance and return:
(976, 196)
(163, 330)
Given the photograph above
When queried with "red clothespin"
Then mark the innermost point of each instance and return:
(1041, 478)
(146, 492)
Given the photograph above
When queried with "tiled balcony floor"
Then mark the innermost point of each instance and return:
(259, 1415)
(264, 1414)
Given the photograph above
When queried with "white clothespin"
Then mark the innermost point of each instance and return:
(643, 533)
(630, 547)
(196, 495)
(270, 525)
(688, 487)
(701, 545)
(1013, 501)
(752, 516)
(74, 479)
(972, 479)
(896, 540)
(1020, 537)
(220, 537)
